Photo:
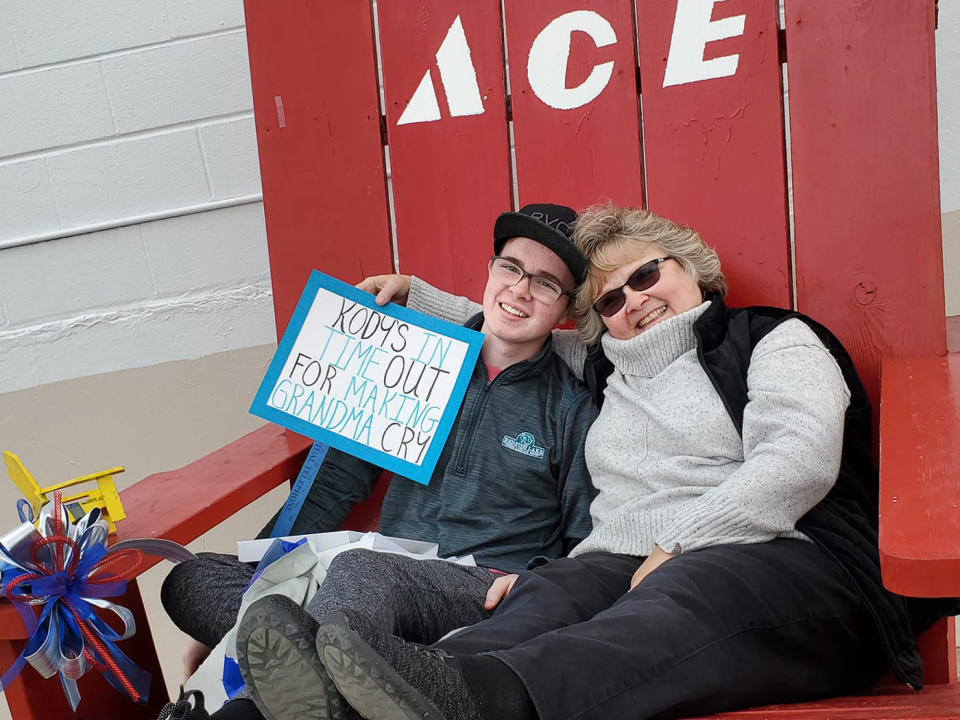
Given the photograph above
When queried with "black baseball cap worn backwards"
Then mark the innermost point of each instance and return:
(549, 225)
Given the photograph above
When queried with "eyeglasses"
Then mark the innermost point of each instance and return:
(643, 278)
(542, 288)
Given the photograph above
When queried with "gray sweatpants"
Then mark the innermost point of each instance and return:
(418, 600)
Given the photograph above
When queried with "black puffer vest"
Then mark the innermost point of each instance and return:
(843, 524)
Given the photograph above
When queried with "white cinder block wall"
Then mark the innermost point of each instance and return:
(948, 108)
(131, 226)
(948, 114)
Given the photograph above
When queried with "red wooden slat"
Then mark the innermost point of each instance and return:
(182, 504)
(448, 147)
(935, 702)
(313, 69)
(714, 147)
(25, 694)
(920, 475)
(938, 648)
(865, 175)
(365, 516)
(571, 149)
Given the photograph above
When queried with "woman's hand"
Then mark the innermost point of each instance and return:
(387, 288)
(654, 560)
(498, 591)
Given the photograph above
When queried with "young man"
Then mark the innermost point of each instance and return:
(510, 485)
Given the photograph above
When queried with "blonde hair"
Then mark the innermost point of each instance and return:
(604, 233)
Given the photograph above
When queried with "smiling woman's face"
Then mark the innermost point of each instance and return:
(674, 293)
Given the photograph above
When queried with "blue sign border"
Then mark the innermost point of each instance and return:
(421, 473)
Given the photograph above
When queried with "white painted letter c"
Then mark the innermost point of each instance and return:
(550, 52)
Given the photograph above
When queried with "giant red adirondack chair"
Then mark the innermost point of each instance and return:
(676, 105)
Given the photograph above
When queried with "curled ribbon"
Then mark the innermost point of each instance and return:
(64, 570)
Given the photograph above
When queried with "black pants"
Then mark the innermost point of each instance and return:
(721, 628)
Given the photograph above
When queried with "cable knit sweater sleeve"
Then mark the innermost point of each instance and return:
(568, 345)
(427, 299)
(792, 441)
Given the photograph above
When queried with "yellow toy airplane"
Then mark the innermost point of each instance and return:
(104, 495)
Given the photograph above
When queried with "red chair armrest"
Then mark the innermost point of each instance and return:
(183, 504)
(920, 475)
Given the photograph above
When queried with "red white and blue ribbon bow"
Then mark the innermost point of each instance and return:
(64, 571)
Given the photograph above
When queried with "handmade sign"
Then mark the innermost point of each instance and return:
(383, 383)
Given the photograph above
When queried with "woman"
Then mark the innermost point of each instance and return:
(733, 557)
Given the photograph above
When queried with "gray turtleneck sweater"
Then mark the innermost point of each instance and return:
(664, 455)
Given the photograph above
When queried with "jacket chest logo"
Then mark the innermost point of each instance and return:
(523, 443)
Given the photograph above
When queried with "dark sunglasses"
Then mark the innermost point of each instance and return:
(644, 277)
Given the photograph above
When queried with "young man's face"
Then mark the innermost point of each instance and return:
(511, 313)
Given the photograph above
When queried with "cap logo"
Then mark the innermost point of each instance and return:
(556, 223)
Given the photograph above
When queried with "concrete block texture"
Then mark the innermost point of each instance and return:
(135, 335)
(130, 297)
(55, 107)
(128, 177)
(179, 82)
(68, 277)
(230, 152)
(189, 17)
(948, 104)
(28, 203)
(9, 60)
(49, 31)
(207, 250)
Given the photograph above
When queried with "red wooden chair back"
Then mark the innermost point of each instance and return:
(710, 150)
(677, 105)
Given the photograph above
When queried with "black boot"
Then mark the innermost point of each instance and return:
(386, 678)
(277, 654)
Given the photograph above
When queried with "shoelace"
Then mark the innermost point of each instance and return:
(182, 709)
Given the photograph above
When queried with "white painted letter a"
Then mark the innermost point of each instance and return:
(459, 78)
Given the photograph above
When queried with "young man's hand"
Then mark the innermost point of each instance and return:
(654, 560)
(387, 288)
(498, 591)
